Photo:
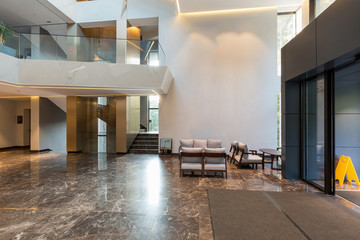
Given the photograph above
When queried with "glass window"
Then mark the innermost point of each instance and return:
(153, 113)
(285, 32)
(321, 5)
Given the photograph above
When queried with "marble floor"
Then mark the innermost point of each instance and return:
(97, 196)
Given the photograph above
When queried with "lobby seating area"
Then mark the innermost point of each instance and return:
(203, 156)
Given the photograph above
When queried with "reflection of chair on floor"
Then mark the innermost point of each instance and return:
(244, 157)
(215, 160)
(230, 155)
(191, 160)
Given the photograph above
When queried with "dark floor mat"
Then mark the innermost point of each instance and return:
(280, 215)
(352, 196)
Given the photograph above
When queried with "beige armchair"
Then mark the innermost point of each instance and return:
(245, 157)
(191, 160)
(215, 160)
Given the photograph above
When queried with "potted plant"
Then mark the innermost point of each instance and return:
(5, 32)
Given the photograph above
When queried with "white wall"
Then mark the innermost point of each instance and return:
(7, 123)
(99, 10)
(224, 67)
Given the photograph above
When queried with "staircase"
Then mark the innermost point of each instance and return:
(145, 143)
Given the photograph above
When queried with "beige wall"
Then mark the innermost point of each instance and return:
(35, 124)
(127, 121)
(305, 6)
(8, 124)
(132, 119)
(132, 47)
(20, 107)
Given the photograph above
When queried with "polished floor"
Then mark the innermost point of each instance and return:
(97, 196)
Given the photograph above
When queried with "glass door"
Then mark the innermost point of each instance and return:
(314, 132)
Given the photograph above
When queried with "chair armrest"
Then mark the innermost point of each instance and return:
(254, 152)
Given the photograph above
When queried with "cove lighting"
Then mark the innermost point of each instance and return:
(231, 10)
(178, 6)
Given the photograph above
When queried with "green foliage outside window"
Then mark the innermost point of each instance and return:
(5, 32)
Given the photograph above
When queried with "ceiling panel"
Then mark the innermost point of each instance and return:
(27, 12)
(213, 5)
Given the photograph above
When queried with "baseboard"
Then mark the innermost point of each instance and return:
(13, 147)
(43, 150)
(74, 151)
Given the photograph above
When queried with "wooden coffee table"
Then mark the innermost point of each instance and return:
(273, 153)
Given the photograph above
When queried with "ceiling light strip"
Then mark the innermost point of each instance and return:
(234, 10)
(178, 6)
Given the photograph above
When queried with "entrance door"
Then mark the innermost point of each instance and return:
(314, 141)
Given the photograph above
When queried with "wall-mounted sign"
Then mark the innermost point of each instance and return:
(19, 119)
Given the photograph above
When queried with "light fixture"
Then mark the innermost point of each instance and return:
(178, 6)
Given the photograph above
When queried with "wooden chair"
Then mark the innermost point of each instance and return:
(230, 155)
(245, 157)
(191, 159)
(215, 160)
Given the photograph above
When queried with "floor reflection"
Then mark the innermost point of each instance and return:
(132, 196)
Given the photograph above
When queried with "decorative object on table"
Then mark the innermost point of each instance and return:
(165, 146)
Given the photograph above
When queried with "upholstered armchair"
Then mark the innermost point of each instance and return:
(191, 160)
(244, 156)
(231, 154)
(215, 160)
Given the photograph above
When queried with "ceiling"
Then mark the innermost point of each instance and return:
(187, 6)
(27, 12)
(18, 91)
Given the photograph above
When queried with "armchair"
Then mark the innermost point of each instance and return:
(245, 156)
(191, 160)
(215, 160)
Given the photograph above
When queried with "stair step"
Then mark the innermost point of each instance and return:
(144, 151)
(142, 146)
(146, 142)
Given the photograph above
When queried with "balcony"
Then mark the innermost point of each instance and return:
(43, 60)
(84, 49)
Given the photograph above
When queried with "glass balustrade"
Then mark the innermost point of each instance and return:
(84, 49)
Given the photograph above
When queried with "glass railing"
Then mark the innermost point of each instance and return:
(84, 49)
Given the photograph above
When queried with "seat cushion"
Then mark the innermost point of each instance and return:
(187, 143)
(200, 143)
(219, 167)
(252, 159)
(192, 159)
(213, 143)
(191, 166)
(215, 160)
(192, 149)
(244, 148)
